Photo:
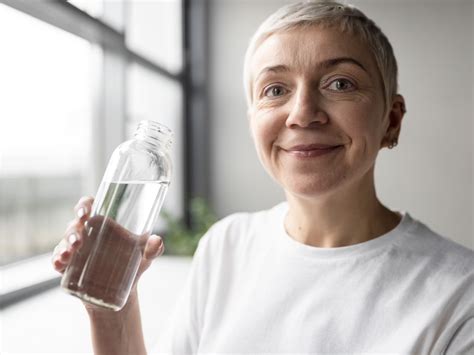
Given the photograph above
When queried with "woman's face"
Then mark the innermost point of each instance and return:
(313, 88)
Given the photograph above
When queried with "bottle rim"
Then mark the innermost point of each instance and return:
(154, 133)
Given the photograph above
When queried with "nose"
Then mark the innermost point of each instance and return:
(306, 110)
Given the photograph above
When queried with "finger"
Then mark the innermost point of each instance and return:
(75, 235)
(59, 266)
(154, 248)
(85, 200)
(161, 250)
(60, 255)
(71, 242)
(83, 207)
(75, 224)
(74, 241)
(59, 248)
(63, 254)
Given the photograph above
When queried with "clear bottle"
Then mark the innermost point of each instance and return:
(125, 209)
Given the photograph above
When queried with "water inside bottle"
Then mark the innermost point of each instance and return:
(102, 271)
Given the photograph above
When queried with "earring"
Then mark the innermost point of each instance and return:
(393, 144)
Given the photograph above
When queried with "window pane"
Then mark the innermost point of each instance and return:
(44, 132)
(153, 97)
(153, 28)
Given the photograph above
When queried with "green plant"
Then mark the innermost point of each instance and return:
(181, 240)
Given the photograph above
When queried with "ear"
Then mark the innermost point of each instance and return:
(395, 116)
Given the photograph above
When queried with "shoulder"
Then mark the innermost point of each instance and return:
(444, 253)
(443, 268)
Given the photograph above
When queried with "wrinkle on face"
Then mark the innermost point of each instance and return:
(352, 116)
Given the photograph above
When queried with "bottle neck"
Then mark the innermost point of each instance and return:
(154, 134)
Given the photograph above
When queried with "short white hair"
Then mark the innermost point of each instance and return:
(325, 13)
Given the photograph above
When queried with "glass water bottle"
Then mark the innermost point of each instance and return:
(124, 211)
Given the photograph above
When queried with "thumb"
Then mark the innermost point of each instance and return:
(154, 247)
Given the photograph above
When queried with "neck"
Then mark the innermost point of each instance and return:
(351, 215)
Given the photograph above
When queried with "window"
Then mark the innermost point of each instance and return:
(45, 132)
(77, 76)
(153, 30)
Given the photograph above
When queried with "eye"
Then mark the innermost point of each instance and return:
(274, 91)
(341, 85)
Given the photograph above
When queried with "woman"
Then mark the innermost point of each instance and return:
(331, 270)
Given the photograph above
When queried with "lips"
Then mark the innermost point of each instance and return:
(311, 150)
(306, 147)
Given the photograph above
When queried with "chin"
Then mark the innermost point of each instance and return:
(310, 187)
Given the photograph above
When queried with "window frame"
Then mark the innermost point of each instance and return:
(108, 42)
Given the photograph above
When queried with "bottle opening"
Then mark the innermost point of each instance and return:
(154, 133)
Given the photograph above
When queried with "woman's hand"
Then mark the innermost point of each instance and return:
(73, 240)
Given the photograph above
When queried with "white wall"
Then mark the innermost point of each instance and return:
(429, 174)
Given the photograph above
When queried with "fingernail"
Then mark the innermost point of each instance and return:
(161, 249)
(81, 212)
(157, 238)
(63, 252)
(72, 239)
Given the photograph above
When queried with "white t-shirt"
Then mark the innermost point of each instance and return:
(254, 289)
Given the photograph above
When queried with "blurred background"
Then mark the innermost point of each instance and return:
(76, 76)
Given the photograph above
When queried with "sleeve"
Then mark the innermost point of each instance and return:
(462, 342)
(183, 332)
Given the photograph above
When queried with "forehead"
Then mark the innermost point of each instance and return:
(303, 48)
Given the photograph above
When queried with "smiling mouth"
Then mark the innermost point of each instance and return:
(311, 152)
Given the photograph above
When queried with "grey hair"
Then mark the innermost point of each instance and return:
(325, 13)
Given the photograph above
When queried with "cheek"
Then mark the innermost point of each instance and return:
(264, 131)
(256, 133)
(361, 124)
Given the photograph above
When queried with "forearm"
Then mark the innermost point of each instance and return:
(118, 333)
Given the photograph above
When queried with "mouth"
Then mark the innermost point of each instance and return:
(312, 150)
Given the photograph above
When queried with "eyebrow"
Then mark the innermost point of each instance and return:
(325, 64)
